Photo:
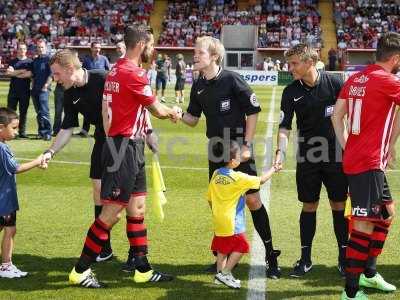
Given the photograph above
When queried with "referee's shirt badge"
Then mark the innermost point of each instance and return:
(225, 105)
(329, 110)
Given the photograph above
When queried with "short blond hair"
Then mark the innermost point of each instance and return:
(66, 58)
(213, 45)
(304, 52)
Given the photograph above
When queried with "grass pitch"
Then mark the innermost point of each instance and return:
(56, 209)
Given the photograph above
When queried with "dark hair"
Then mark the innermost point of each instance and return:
(94, 43)
(219, 150)
(135, 34)
(7, 115)
(388, 45)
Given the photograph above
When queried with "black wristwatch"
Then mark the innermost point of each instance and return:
(51, 151)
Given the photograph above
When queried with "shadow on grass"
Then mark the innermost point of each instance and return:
(51, 275)
(323, 281)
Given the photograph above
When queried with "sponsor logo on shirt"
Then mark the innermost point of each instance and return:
(297, 99)
(359, 212)
(222, 180)
(361, 79)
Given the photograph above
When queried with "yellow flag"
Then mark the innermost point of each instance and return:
(347, 209)
(158, 195)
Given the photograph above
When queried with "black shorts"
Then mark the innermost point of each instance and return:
(161, 82)
(127, 175)
(248, 167)
(9, 220)
(311, 176)
(95, 159)
(180, 84)
(369, 194)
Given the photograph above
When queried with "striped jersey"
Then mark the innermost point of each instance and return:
(226, 194)
(127, 93)
(371, 96)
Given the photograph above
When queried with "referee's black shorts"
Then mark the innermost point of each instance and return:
(369, 194)
(311, 176)
(124, 171)
(95, 159)
(248, 167)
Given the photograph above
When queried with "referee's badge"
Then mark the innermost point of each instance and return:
(225, 105)
(254, 101)
(329, 110)
(281, 117)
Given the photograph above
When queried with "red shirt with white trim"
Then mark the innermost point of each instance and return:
(127, 92)
(371, 97)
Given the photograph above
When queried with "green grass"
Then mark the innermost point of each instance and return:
(56, 210)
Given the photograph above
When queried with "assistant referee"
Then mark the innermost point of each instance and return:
(312, 96)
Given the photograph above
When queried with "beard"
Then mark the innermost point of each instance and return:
(146, 55)
(396, 69)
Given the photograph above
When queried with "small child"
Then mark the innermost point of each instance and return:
(226, 197)
(8, 190)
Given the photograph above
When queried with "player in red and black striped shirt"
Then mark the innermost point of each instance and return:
(127, 96)
(369, 100)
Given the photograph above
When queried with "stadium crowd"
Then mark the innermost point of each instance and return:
(360, 23)
(65, 23)
(288, 23)
(284, 24)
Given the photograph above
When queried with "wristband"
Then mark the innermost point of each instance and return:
(52, 152)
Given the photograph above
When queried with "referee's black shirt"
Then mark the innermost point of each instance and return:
(225, 102)
(313, 107)
(86, 100)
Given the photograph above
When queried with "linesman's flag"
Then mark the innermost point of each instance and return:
(158, 188)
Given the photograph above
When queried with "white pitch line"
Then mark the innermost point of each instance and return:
(257, 285)
(85, 163)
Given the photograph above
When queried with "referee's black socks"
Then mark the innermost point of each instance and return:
(261, 224)
(340, 226)
(308, 223)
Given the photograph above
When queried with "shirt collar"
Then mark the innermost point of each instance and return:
(307, 87)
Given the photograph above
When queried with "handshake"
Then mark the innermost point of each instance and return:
(45, 158)
(175, 114)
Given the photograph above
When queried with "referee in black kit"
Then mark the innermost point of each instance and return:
(231, 110)
(312, 96)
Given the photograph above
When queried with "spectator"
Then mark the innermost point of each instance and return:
(121, 49)
(268, 64)
(20, 70)
(180, 72)
(332, 57)
(41, 86)
(94, 61)
(320, 66)
(162, 75)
